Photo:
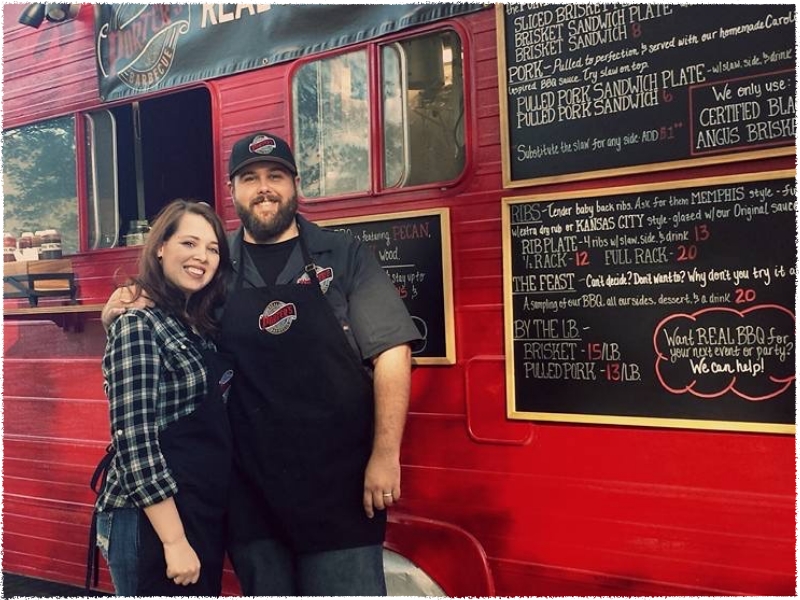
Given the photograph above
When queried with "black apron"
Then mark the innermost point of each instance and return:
(301, 413)
(198, 450)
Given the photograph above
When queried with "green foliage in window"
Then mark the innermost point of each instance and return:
(39, 186)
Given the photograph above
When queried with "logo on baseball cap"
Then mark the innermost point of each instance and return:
(260, 147)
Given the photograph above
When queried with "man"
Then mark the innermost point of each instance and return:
(321, 341)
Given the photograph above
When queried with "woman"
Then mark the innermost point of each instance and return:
(160, 513)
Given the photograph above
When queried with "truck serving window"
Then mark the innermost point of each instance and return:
(39, 186)
(139, 156)
(419, 103)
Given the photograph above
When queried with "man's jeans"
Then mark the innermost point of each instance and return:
(268, 568)
(118, 539)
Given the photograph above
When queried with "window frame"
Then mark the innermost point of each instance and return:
(84, 161)
(76, 130)
(370, 152)
(91, 205)
(376, 117)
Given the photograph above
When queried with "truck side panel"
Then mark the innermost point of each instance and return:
(556, 509)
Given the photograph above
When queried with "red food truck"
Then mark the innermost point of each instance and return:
(588, 208)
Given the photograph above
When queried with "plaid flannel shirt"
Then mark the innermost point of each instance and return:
(154, 375)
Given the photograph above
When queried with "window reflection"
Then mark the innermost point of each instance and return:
(331, 124)
(39, 184)
(422, 112)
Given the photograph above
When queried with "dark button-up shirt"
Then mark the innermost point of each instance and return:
(363, 298)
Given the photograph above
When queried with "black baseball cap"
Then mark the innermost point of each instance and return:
(261, 147)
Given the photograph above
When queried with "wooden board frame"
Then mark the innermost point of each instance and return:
(505, 141)
(602, 419)
(443, 215)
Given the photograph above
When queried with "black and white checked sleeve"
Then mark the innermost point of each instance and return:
(132, 365)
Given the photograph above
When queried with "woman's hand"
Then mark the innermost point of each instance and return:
(183, 565)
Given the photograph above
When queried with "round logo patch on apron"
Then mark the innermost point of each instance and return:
(277, 317)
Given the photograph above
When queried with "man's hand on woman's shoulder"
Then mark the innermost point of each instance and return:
(121, 300)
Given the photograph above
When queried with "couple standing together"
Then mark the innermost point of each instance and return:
(292, 467)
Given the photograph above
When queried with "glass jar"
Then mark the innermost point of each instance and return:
(137, 232)
(51, 244)
(25, 245)
(36, 245)
(9, 247)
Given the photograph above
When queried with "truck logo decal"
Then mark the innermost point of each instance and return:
(137, 46)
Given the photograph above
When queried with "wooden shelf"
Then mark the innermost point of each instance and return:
(43, 310)
(69, 317)
(39, 279)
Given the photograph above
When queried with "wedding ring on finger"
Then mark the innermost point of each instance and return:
(387, 495)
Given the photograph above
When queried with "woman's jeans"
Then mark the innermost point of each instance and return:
(118, 539)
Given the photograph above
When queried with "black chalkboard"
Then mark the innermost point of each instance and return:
(414, 249)
(663, 305)
(602, 89)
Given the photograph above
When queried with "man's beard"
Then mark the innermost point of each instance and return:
(264, 232)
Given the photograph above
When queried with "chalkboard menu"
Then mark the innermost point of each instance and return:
(588, 90)
(414, 249)
(665, 305)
